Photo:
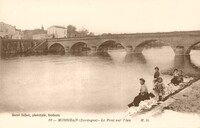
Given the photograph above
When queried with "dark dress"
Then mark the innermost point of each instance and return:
(177, 80)
(156, 76)
(174, 80)
(143, 95)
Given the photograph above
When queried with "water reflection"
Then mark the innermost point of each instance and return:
(184, 63)
(135, 58)
(179, 62)
(82, 53)
(195, 57)
(104, 56)
(117, 55)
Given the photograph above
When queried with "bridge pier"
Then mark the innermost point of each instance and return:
(129, 49)
(179, 50)
(93, 50)
(67, 49)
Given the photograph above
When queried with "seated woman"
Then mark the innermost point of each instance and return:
(178, 77)
(175, 76)
(143, 95)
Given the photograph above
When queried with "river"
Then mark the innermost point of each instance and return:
(90, 84)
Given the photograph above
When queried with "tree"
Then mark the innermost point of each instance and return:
(71, 31)
(71, 28)
(91, 34)
(83, 31)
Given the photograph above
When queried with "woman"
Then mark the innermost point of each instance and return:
(143, 95)
(156, 74)
(159, 89)
(180, 79)
(177, 77)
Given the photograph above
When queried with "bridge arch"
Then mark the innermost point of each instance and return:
(109, 45)
(57, 48)
(79, 47)
(190, 48)
(150, 43)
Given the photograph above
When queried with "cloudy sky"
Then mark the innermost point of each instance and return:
(104, 16)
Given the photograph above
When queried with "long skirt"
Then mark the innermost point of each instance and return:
(174, 80)
(140, 97)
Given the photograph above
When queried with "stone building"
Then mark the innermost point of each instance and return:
(57, 31)
(9, 31)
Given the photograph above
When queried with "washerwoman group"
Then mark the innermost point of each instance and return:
(158, 89)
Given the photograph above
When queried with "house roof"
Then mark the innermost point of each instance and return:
(7, 24)
(55, 26)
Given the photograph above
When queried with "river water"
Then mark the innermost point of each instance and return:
(90, 84)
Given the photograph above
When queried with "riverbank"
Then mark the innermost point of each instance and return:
(187, 101)
(182, 98)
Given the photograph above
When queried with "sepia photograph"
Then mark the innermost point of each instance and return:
(100, 63)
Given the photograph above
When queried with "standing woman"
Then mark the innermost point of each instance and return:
(159, 89)
(143, 95)
(156, 74)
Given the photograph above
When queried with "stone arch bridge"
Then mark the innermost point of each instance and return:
(180, 42)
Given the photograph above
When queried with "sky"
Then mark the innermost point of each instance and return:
(104, 16)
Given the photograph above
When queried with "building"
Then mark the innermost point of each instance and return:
(18, 34)
(9, 31)
(72, 33)
(57, 31)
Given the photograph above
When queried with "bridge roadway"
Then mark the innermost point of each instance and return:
(180, 42)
